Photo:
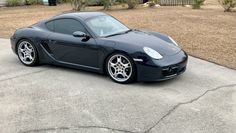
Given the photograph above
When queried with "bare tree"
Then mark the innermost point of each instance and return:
(78, 4)
(107, 4)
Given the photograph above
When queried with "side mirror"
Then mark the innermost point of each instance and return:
(80, 34)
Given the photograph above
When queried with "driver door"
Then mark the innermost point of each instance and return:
(66, 48)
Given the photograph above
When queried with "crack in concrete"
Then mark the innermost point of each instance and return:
(127, 131)
(184, 103)
(77, 128)
(25, 74)
(116, 129)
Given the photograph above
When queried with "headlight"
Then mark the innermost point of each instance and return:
(173, 41)
(152, 53)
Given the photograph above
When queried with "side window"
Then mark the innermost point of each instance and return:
(50, 25)
(68, 26)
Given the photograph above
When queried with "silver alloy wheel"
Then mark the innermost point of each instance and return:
(119, 68)
(26, 52)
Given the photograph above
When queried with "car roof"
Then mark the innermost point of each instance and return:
(82, 15)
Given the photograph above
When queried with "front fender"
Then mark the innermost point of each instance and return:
(35, 35)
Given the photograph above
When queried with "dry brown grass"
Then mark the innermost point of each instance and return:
(209, 33)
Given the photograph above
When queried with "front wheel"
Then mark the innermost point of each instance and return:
(27, 53)
(121, 68)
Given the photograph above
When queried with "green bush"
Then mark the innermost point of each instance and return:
(227, 4)
(120, 1)
(63, 1)
(132, 3)
(14, 2)
(23, 2)
(197, 4)
(33, 2)
(95, 2)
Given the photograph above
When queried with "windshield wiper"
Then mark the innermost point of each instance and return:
(119, 33)
(128, 30)
(115, 34)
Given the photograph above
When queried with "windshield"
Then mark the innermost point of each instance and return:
(105, 26)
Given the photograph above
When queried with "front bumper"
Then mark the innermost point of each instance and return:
(164, 69)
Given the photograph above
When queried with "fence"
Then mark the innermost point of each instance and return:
(176, 2)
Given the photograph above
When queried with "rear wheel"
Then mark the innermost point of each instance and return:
(121, 68)
(27, 53)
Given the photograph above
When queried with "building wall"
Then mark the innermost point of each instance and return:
(2, 2)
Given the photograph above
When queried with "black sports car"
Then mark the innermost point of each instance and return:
(98, 42)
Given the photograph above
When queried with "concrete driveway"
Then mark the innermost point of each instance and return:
(50, 99)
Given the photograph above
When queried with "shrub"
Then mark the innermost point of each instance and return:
(63, 1)
(93, 2)
(227, 4)
(106, 4)
(33, 2)
(14, 2)
(78, 4)
(197, 4)
(132, 3)
(120, 1)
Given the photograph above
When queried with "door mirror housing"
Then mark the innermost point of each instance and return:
(80, 34)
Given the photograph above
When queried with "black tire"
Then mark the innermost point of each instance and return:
(131, 78)
(35, 61)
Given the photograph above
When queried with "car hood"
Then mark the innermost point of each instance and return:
(144, 39)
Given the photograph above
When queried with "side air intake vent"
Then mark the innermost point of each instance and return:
(45, 46)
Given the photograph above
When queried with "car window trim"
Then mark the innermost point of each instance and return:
(47, 26)
(85, 28)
